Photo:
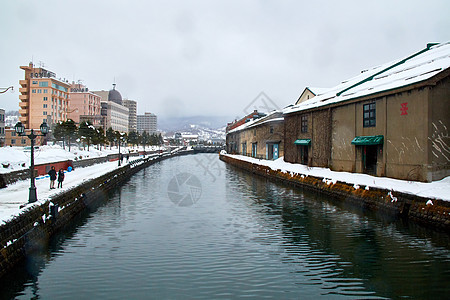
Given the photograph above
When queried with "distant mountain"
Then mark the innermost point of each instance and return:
(182, 123)
(206, 128)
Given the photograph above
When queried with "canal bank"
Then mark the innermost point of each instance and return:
(32, 228)
(423, 210)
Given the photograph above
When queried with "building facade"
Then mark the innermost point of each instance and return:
(84, 105)
(389, 121)
(147, 122)
(113, 113)
(132, 116)
(12, 139)
(115, 116)
(43, 98)
(260, 138)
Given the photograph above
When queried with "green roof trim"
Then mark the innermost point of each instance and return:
(368, 140)
(429, 45)
(303, 142)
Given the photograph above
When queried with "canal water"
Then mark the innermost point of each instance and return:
(193, 227)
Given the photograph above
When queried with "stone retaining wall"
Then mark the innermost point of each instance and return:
(391, 203)
(32, 228)
(11, 177)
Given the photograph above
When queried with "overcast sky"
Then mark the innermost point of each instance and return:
(188, 58)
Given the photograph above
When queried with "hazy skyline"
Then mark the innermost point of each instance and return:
(186, 58)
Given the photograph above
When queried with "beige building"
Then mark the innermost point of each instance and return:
(84, 103)
(114, 113)
(391, 121)
(116, 116)
(132, 116)
(12, 139)
(43, 98)
(260, 138)
(147, 122)
(309, 93)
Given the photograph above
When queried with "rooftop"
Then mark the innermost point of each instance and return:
(420, 66)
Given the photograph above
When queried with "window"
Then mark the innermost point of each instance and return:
(39, 91)
(45, 113)
(304, 123)
(271, 129)
(254, 132)
(45, 98)
(35, 82)
(43, 84)
(369, 119)
(24, 141)
(13, 133)
(13, 142)
(45, 105)
(33, 91)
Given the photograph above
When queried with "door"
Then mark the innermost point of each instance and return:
(303, 154)
(275, 151)
(370, 159)
(254, 148)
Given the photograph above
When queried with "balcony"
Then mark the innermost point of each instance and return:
(23, 115)
(23, 105)
(23, 90)
(23, 97)
(23, 83)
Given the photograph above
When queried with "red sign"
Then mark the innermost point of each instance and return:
(404, 109)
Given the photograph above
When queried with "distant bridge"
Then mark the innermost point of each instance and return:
(207, 149)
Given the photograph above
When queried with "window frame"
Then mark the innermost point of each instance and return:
(304, 123)
(369, 115)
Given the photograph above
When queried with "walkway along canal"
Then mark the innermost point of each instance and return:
(194, 227)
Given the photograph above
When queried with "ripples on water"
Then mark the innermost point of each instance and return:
(245, 237)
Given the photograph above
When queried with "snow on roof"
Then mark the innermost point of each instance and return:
(412, 69)
(268, 118)
(317, 91)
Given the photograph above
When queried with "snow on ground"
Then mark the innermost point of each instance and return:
(436, 189)
(16, 194)
(18, 158)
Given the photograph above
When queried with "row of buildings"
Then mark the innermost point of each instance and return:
(45, 98)
(391, 120)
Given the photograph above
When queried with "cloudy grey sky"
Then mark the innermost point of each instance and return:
(186, 58)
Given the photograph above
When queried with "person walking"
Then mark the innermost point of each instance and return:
(60, 178)
(52, 174)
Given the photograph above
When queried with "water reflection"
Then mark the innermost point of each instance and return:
(245, 237)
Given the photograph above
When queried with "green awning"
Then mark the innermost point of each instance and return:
(303, 142)
(368, 140)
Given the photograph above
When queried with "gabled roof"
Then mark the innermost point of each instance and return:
(420, 66)
(305, 95)
(274, 116)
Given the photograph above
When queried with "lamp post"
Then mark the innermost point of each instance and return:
(20, 130)
(120, 158)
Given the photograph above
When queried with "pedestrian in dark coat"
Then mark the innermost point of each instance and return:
(52, 174)
(60, 178)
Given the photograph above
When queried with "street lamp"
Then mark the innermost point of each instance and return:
(20, 130)
(120, 158)
(4, 90)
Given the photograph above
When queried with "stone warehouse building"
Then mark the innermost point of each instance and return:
(260, 138)
(390, 120)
